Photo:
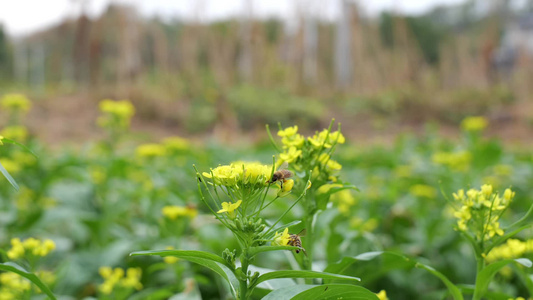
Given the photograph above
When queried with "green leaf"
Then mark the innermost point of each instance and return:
(206, 259)
(328, 291)
(452, 288)
(9, 178)
(10, 141)
(302, 274)
(394, 261)
(485, 276)
(13, 267)
(468, 289)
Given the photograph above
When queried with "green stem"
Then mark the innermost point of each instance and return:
(245, 261)
(309, 239)
(480, 265)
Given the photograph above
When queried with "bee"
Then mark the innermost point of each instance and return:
(294, 240)
(281, 174)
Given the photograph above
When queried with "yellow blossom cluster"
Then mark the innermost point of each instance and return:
(176, 143)
(480, 210)
(362, 225)
(473, 124)
(513, 248)
(117, 278)
(15, 132)
(459, 161)
(173, 212)
(13, 286)
(423, 191)
(30, 246)
(150, 150)
(116, 113)
(16, 103)
(240, 173)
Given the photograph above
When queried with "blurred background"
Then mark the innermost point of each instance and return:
(223, 69)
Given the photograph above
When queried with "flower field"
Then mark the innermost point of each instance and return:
(296, 216)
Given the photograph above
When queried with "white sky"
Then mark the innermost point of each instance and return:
(21, 17)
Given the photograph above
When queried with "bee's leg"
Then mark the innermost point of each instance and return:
(281, 183)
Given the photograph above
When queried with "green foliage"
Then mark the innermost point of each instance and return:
(12, 267)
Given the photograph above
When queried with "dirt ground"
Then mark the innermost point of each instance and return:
(72, 120)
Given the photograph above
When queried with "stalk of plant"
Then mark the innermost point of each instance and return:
(311, 157)
(236, 194)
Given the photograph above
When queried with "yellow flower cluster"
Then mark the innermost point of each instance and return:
(480, 211)
(13, 286)
(362, 225)
(173, 212)
(176, 143)
(150, 150)
(293, 143)
(30, 246)
(115, 278)
(459, 161)
(281, 239)
(240, 173)
(116, 113)
(474, 124)
(423, 191)
(16, 102)
(16, 132)
(11, 166)
(513, 248)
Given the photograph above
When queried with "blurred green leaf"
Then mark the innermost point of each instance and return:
(13, 267)
(302, 274)
(206, 259)
(8, 177)
(328, 291)
(485, 276)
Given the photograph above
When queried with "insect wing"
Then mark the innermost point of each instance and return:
(284, 165)
(302, 232)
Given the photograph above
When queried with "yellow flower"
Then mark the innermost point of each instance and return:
(132, 279)
(287, 188)
(281, 239)
(382, 295)
(459, 161)
(10, 165)
(508, 195)
(229, 208)
(150, 150)
(1, 138)
(16, 102)
(474, 123)
(223, 175)
(344, 200)
(174, 211)
(17, 133)
(423, 191)
(325, 139)
(116, 113)
(17, 249)
(170, 259)
(486, 189)
(291, 155)
(288, 132)
(176, 143)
